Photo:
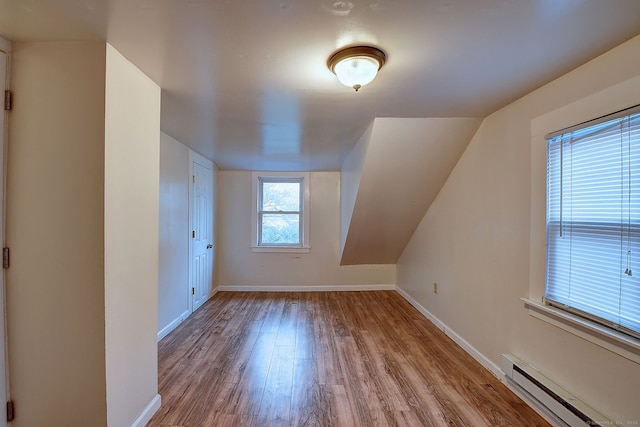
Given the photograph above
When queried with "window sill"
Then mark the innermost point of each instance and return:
(282, 249)
(621, 344)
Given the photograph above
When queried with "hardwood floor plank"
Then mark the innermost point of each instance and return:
(362, 398)
(305, 347)
(344, 412)
(307, 408)
(275, 407)
(387, 388)
(218, 419)
(323, 359)
(329, 370)
(252, 378)
(407, 419)
(287, 329)
(271, 321)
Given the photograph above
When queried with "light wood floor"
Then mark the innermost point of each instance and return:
(324, 359)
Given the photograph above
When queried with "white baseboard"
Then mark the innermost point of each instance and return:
(171, 326)
(178, 320)
(481, 358)
(318, 288)
(148, 412)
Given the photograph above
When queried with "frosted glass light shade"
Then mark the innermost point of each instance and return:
(356, 71)
(356, 66)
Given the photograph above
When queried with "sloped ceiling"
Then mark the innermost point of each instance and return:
(245, 82)
(393, 175)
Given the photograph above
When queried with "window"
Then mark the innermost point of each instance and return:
(593, 221)
(281, 215)
(280, 212)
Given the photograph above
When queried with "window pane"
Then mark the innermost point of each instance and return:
(281, 196)
(280, 229)
(593, 219)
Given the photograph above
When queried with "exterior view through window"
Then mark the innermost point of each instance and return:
(280, 212)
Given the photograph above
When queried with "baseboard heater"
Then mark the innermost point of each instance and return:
(559, 402)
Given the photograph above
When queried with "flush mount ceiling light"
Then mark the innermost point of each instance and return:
(357, 66)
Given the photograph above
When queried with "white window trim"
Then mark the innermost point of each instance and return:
(305, 248)
(618, 97)
(617, 342)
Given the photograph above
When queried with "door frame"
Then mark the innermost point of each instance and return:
(5, 48)
(203, 161)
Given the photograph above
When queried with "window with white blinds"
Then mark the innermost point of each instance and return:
(593, 221)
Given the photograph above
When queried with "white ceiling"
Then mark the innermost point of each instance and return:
(245, 82)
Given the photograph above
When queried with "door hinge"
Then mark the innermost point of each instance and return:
(194, 178)
(7, 100)
(193, 291)
(10, 411)
(5, 257)
(193, 234)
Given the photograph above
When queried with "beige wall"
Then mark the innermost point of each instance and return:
(55, 200)
(475, 243)
(238, 266)
(407, 162)
(174, 290)
(173, 278)
(352, 167)
(132, 162)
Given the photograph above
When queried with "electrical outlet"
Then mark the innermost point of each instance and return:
(435, 288)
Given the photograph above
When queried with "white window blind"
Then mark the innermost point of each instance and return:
(593, 222)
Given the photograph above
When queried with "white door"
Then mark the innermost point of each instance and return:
(4, 50)
(202, 252)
